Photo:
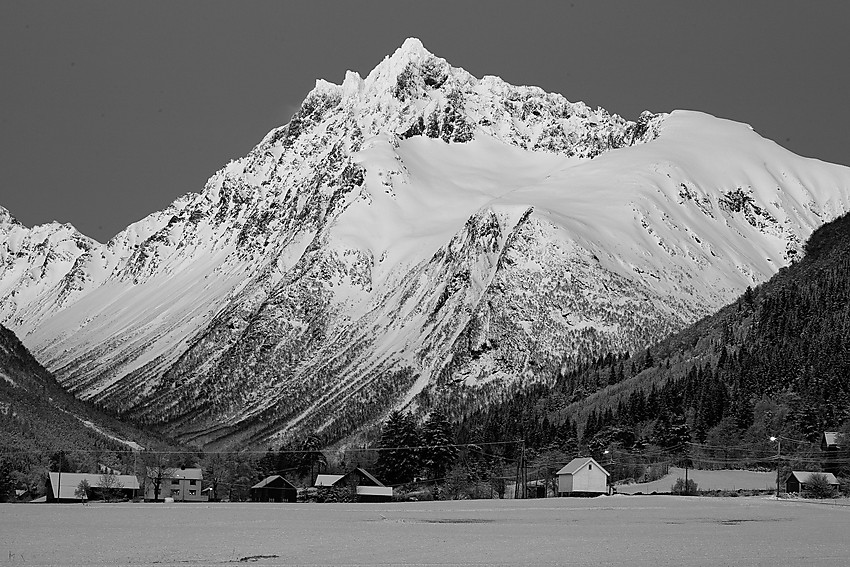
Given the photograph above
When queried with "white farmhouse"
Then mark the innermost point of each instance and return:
(582, 476)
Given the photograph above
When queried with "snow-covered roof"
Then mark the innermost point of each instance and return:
(327, 479)
(578, 463)
(831, 439)
(70, 482)
(269, 479)
(175, 473)
(805, 477)
(191, 474)
(367, 475)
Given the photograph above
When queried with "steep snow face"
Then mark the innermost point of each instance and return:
(414, 236)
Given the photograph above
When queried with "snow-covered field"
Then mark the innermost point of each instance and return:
(618, 530)
(706, 480)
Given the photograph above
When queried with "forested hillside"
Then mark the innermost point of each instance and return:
(43, 427)
(776, 363)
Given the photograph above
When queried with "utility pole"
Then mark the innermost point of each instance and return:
(518, 477)
(524, 472)
(59, 482)
(778, 460)
(521, 475)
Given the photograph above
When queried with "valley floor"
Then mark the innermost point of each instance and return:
(612, 530)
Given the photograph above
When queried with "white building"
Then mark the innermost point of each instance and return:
(582, 476)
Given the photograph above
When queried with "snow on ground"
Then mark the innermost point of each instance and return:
(618, 530)
(91, 425)
(706, 480)
(132, 444)
(9, 380)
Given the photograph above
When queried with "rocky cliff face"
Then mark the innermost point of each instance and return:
(416, 235)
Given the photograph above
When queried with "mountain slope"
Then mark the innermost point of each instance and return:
(38, 415)
(774, 362)
(404, 235)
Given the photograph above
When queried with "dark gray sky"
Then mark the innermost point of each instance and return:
(110, 110)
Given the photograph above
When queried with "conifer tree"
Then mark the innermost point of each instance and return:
(438, 453)
(398, 460)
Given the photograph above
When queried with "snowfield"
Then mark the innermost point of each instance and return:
(616, 530)
(706, 480)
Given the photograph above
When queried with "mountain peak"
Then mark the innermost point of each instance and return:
(387, 72)
(412, 46)
(411, 56)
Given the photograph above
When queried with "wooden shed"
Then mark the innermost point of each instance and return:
(274, 488)
(582, 476)
(796, 481)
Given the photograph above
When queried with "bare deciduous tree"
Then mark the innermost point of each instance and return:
(157, 467)
(109, 485)
(82, 491)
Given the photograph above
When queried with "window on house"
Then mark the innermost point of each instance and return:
(175, 482)
(175, 492)
(192, 492)
(590, 467)
(192, 482)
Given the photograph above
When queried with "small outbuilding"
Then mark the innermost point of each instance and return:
(274, 488)
(796, 481)
(582, 476)
(832, 453)
(830, 441)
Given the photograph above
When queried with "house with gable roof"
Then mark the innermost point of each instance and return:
(274, 488)
(582, 476)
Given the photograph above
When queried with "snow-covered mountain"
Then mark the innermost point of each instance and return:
(419, 234)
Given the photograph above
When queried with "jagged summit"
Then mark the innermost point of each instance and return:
(411, 55)
(415, 93)
(411, 51)
(416, 236)
(6, 217)
(411, 58)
